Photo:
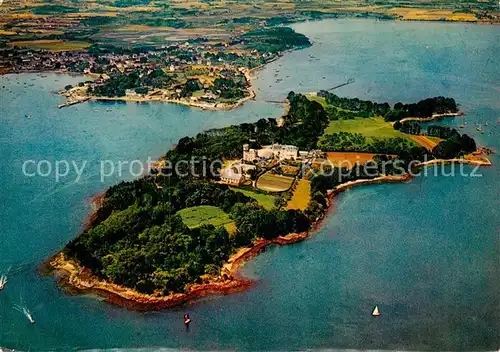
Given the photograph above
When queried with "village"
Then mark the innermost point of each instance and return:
(109, 59)
(203, 75)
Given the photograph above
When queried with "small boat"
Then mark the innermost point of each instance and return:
(3, 282)
(376, 312)
(26, 313)
(187, 320)
(486, 123)
(462, 126)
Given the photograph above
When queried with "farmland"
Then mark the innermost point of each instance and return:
(348, 158)
(52, 45)
(274, 183)
(368, 127)
(425, 141)
(206, 215)
(301, 196)
(265, 200)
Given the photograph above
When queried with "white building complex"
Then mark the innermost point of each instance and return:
(274, 151)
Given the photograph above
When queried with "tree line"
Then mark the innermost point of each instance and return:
(453, 146)
(366, 108)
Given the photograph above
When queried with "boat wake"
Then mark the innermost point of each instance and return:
(26, 313)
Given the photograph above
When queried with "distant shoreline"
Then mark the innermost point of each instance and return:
(80, 280)
(81, 97)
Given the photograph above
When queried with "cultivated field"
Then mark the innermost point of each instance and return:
(274, 183)
(265, 200)
(427, 142)
(368, 127)
(301, 196)
(423, 14)
(340, 159)
(206, 214)
(52, 45)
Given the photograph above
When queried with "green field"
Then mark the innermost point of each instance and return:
(274, 183)
(206, 214)
(322, 101)
(52, 45)
(368, 127)
(265, 200)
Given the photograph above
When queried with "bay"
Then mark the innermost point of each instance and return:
(426, 252)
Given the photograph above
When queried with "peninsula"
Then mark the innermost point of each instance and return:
(172, 237)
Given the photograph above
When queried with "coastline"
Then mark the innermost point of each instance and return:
(81, 97)
(434, 117)
(77, 279)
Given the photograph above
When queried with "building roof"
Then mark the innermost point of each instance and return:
(232, 173)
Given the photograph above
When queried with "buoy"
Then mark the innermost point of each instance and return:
(376, 312)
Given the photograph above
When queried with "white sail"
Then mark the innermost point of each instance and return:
(376, 312)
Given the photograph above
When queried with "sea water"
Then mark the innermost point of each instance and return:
(427, 252)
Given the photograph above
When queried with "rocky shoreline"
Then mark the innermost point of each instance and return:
(77, 279)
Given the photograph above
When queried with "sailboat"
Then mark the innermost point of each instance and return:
(3, 281)
(376, 312)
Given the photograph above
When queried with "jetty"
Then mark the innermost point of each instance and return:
(73, 102)
(349, 81)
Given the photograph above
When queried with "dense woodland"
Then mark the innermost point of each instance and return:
(454, 144)
(274, 39)
(117, 85)
(366, 108)
(137, 240)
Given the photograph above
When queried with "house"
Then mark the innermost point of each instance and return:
(233, 175)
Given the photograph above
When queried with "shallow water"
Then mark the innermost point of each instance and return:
(426, 252)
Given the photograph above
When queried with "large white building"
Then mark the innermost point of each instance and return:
(233, 175)
(236, 173)
(274, 151)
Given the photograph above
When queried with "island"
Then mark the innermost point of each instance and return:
(181, 233)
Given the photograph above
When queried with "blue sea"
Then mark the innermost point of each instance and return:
(426, 252)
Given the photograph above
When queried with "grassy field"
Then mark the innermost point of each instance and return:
(368, 127)
(206, 214)
(265, 200)
(274, 183)
(52, 45)
(313, 97)
(301, 196)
